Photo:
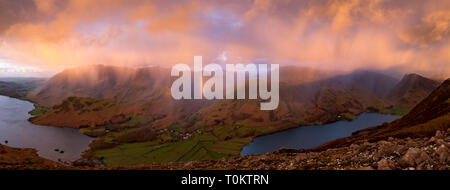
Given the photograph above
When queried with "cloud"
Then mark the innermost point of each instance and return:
(343, 34)
(435, 27)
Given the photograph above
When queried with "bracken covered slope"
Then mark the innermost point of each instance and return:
(25, 159)
(430, 115)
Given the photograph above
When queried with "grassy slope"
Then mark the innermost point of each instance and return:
(25, 159)
(200, 147)
(395, 111)
(78, 112)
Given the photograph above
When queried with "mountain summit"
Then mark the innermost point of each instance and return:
(411, 90)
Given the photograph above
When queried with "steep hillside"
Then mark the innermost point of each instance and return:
(430, 115)
(371, 82)
(99, 81)
(147, 90)
(77, 112)
(412, 89)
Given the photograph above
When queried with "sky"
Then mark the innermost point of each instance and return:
(42, 37)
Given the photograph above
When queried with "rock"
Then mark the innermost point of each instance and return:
(385, 143)
(6, 142)
(263, 157)
(386, 164)
(291, 166)
(245, 163)
(188, 165)
(61, 152)
(421, 166)
(364, 147)
(354, 146)
(365, 168)
(413, 157)
(432, 140)
(300, 157)
(88, 162)
(401, 149)
(441, 142)
(56, 150)
(438, 135)
(385, 149)
(443, 153)
(410, 143)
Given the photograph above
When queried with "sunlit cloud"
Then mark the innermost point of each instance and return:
(408, 36)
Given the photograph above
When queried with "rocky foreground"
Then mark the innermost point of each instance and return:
(392, 154)
(25, 159)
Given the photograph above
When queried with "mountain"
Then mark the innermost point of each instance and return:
(19, 87)
(86, 112)
(307, 96)
(371, 82)
(427, 117)
(411, 90)
(99, 81)
(122, 106)
(135, 109)
(313, 101)
(419, 141)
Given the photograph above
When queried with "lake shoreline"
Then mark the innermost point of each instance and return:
(50, 142)
(316, 127)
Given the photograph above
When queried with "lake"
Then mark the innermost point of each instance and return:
(19, 132)
(306, 137)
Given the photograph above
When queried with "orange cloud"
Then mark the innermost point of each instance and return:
(344, 34)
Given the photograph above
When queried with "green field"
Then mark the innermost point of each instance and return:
(94, 131)
(181, 142)
(395, 111)
(38, 110)
(136, 120)
(199, 147)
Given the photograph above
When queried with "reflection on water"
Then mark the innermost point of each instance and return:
(311, 136)
(15, 128)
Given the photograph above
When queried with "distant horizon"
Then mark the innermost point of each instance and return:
(392, 73)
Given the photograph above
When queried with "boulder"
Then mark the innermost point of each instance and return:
(443, 153)
(413, 157)
(386, 164)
